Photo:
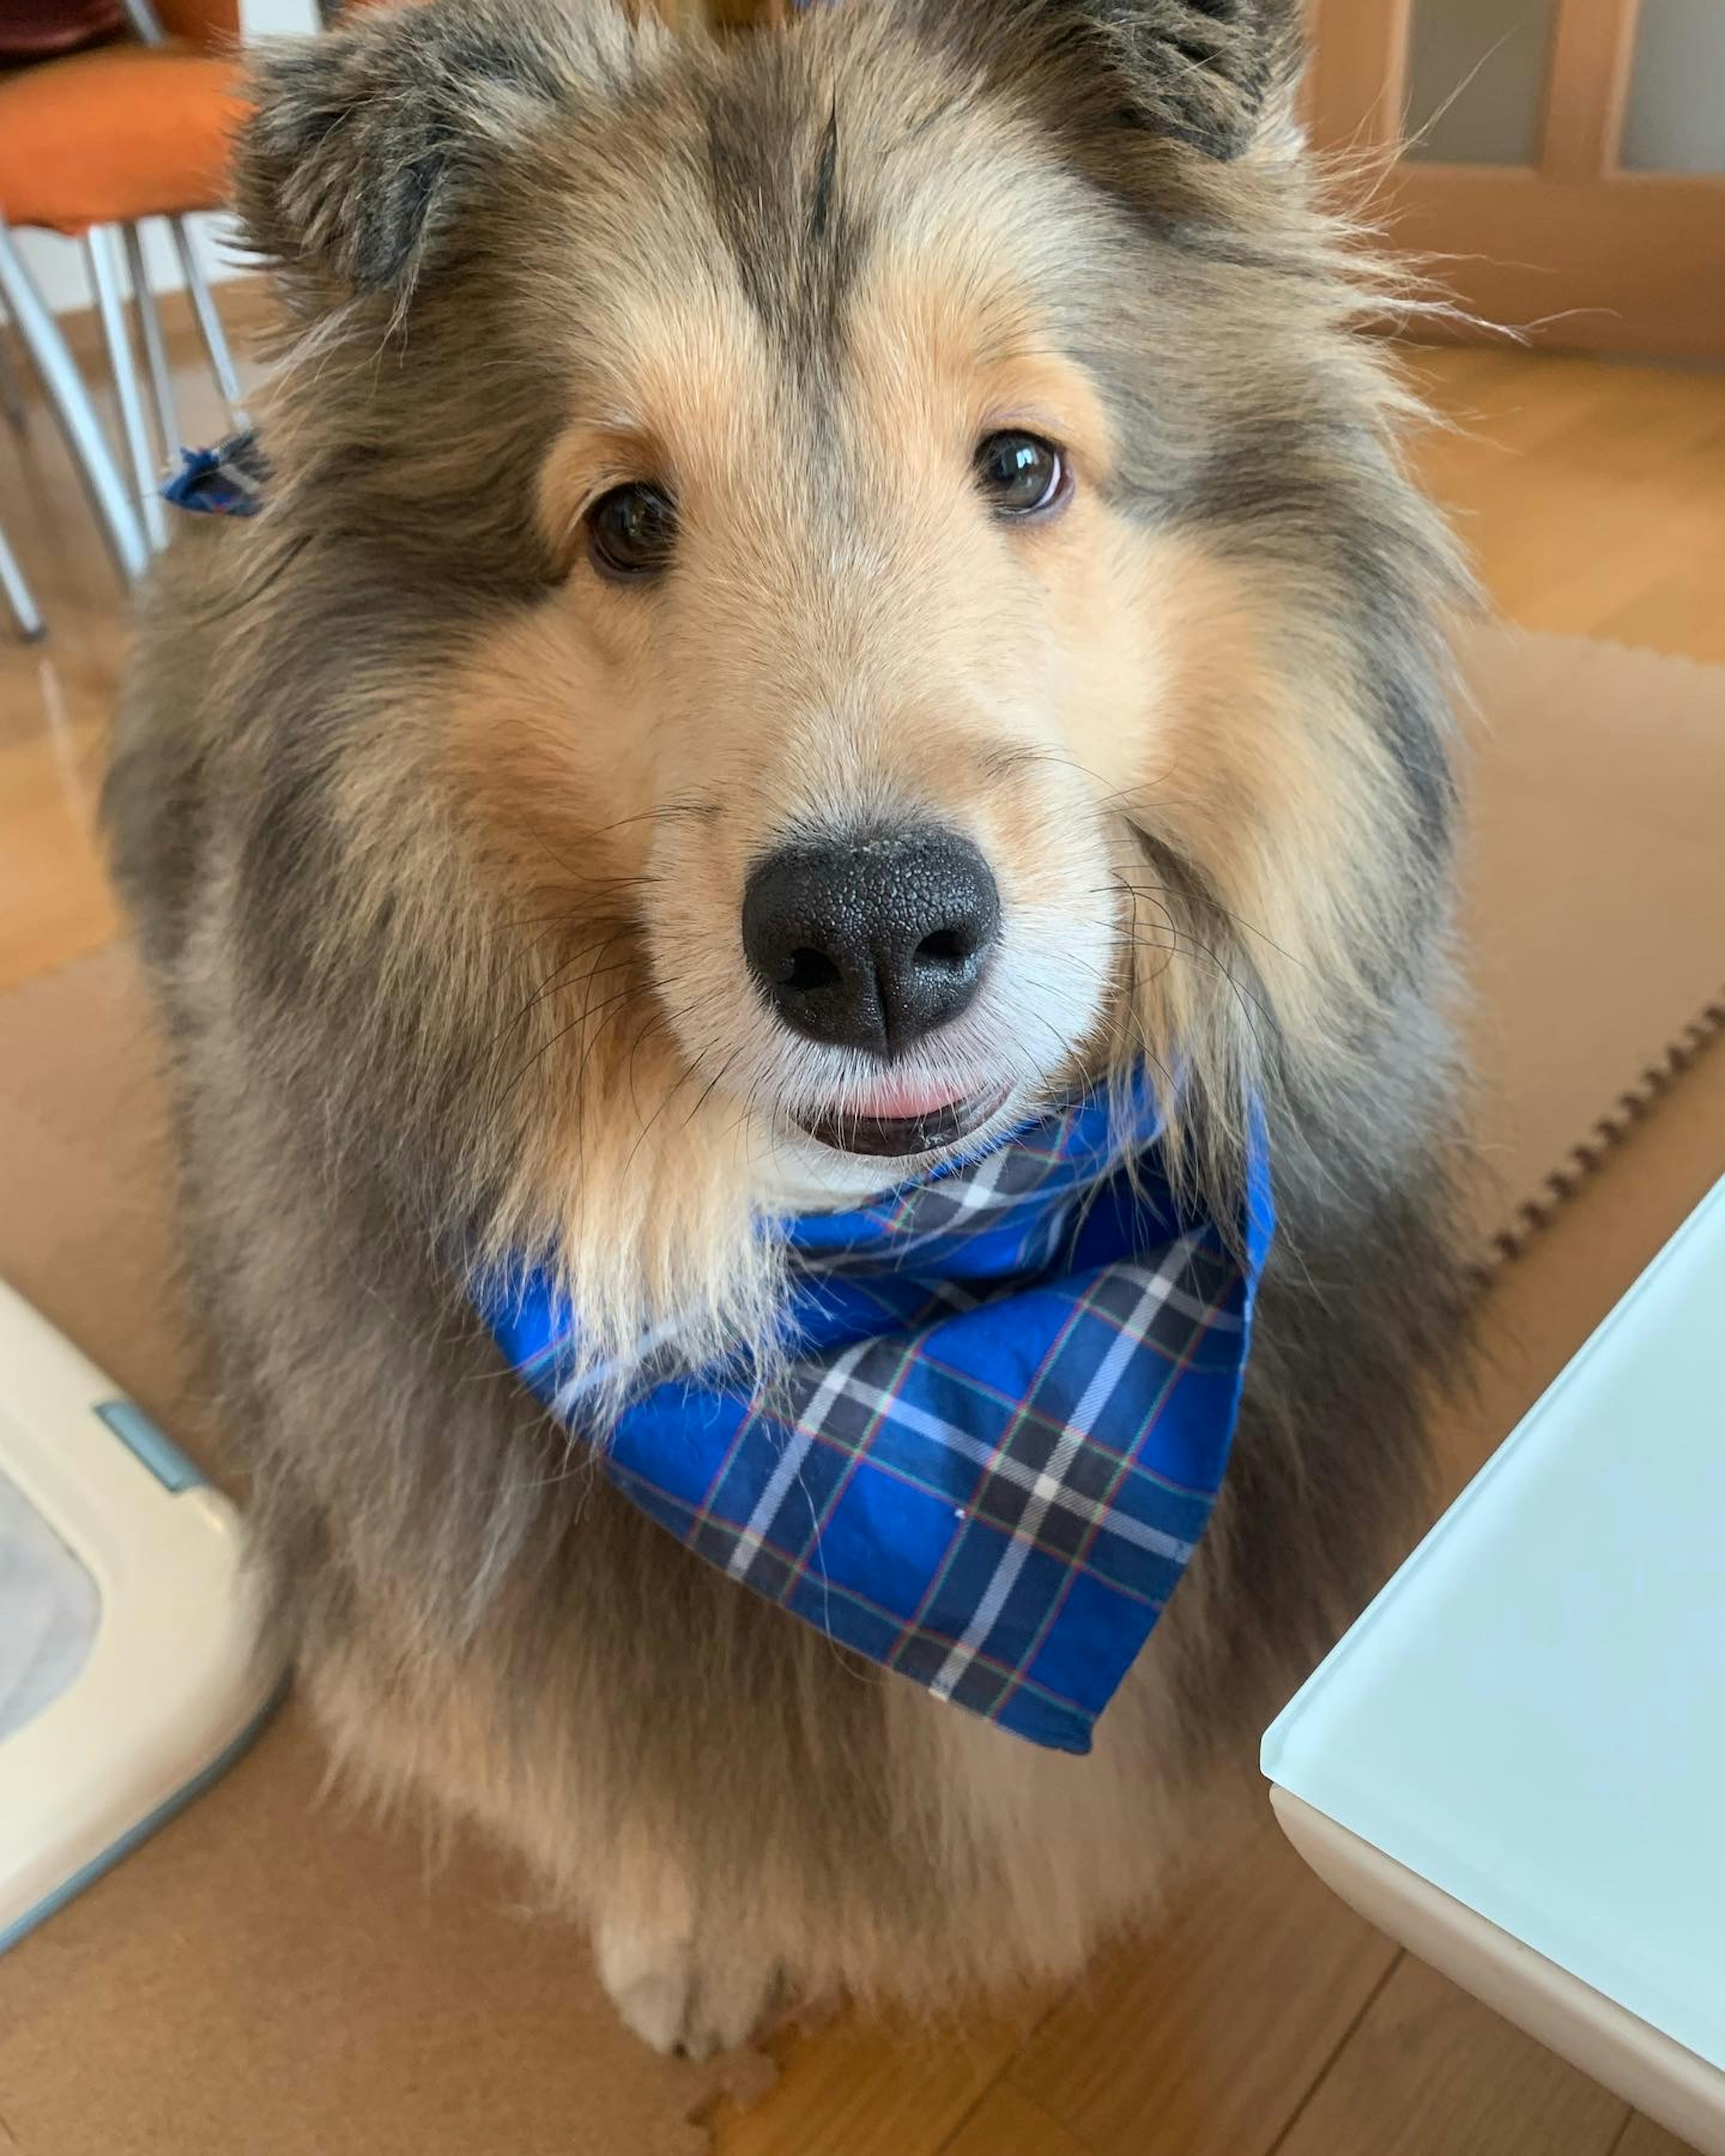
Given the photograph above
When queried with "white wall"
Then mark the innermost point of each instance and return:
(57, 265)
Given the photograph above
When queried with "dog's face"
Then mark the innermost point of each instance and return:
(854, 644)
(905, 546)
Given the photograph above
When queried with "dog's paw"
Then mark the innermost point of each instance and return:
(680, 1995)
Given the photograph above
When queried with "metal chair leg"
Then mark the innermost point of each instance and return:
(16, 593)
(145, 24)
(162, 381)
(58, 372)
(12, 390)
(104, 260)
(209, 321)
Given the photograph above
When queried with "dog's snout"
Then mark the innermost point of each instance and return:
(874, 941)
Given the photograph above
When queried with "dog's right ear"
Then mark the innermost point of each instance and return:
(362, 142)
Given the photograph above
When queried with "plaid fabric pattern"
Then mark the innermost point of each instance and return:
(1004, 1417)
(225, 482)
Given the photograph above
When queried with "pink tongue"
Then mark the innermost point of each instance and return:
(903, 1100)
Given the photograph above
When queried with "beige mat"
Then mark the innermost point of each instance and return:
(278, 1978)
(1596, 903)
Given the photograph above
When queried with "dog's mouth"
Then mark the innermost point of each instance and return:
(894, 1124)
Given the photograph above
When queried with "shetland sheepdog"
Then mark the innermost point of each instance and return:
(719, 483)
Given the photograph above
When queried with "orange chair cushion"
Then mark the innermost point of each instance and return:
(103, 138)
(207, 23)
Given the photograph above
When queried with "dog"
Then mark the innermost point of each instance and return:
(930, 431)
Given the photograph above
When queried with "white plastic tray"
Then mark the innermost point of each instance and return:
(171, 1685)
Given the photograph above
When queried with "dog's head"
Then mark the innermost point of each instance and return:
(866, 578)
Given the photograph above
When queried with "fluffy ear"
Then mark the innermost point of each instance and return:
(1199, 70)
(362, 141)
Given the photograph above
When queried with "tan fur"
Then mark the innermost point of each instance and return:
(438, 842)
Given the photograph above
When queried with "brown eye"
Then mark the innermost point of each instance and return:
(631, 532)
(1021, 474)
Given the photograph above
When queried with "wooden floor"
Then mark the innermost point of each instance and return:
(1263, 2016)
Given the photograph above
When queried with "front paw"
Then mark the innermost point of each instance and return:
(681, 1994)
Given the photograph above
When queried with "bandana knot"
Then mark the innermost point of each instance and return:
(1002, 1420)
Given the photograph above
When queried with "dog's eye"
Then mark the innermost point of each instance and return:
(1020, 473)
(631, 532)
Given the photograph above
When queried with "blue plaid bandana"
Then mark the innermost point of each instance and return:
(1004, 1417)
(225, 482)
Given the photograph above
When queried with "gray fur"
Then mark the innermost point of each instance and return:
(355, 1073)
(1104, 72)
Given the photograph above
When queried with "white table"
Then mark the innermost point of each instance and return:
(1515, 1762)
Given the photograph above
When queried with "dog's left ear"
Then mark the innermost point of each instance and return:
(1198, 71)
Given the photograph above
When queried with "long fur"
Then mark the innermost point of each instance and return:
(435, 846)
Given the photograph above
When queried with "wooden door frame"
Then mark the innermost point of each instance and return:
(1582, 253)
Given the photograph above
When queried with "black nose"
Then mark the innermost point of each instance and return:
(874, 941)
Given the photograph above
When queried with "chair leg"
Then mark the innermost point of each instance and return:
(162, 381)
(58, 372)
(209, 321)
(12, 390)
(104, 260)
(16, 593)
